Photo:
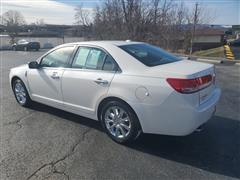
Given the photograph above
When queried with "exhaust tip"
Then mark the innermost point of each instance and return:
(199, 129)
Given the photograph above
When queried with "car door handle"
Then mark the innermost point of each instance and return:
(101, 81)
(55, 75)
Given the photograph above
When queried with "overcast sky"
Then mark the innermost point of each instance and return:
(225, 12)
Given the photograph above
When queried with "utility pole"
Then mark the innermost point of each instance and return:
(194, 26)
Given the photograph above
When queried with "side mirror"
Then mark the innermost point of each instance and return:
(33, 65)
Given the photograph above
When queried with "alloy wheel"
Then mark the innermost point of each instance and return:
(20, 93)
(117, 122)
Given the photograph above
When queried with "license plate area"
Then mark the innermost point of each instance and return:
(205, 94)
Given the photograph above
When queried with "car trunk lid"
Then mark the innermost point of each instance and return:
(200, 77)
(180, 69)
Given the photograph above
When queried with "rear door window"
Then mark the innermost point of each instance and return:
(93, 58)
(81, 57)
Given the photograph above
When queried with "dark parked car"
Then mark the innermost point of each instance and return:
(235, 42)
(24, 45)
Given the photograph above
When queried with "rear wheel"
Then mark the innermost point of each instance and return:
(21, 93)
(120, 122)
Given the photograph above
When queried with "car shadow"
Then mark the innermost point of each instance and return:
(216, 149)
(66, 115)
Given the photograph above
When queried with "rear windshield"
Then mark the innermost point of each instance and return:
(149, 55)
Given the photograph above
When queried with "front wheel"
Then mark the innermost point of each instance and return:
(21, 93)
(120, 122)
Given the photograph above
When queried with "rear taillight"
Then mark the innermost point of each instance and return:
(187, 86)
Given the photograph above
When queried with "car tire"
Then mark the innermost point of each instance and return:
(21, 93)
(14, 48)
(126, 124)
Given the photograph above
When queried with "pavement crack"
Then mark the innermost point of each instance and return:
(62, 173)
(53, 163)
(39, 169)
(18, 122)
(72, 150)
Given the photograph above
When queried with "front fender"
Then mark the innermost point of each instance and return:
(21, 73)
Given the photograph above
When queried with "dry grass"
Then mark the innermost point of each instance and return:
(215, 52)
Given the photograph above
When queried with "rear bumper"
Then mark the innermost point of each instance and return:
(178, 119)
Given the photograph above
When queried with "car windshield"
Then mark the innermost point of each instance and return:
(149, 55)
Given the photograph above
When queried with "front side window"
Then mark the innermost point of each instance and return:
(57, 58)
(93, 58)
(149, 55)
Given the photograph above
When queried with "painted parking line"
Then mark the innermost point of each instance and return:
(228, 52)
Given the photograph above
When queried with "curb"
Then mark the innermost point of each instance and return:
(210, 61)
(222, 61)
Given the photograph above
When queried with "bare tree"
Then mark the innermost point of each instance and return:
(13, 20)
(83, 21)
(162, 22)
(198, 15)
(82, 16)
(195, 22)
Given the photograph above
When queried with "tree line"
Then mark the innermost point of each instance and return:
(166, 23)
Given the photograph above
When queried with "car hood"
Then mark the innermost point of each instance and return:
(23, 66)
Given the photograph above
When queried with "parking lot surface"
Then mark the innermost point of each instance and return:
(45, 143)
(236, 52)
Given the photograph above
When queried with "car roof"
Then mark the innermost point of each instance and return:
(126, 62)
(100, 43)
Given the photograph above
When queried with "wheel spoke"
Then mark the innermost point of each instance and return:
(112, 127)
(121, 113)
(122, 131)
(109, 115)
(116, 112)
(125, 126)
(108, 120)
(117, 131)
(125, 119)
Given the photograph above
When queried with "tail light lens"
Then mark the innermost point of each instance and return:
(187, 86)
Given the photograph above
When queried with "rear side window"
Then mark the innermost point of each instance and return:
(109, 64)
(149, 55)
(93, 58)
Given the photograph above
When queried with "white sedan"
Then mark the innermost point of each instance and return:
(130, 87)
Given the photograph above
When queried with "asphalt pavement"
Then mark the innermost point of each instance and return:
(46, 143)
(236, 52)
